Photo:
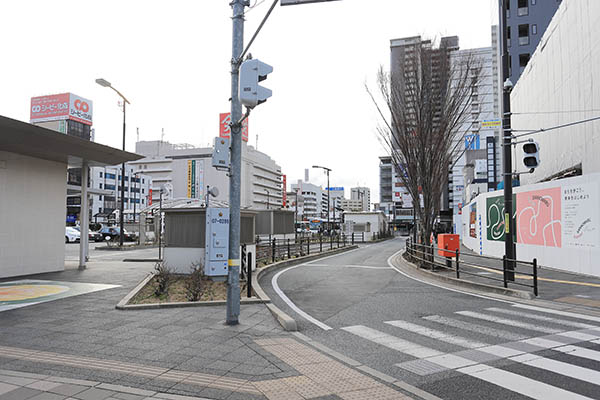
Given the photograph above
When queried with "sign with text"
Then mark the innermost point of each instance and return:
(491, 124)
(57, 107)
(284, 191)
(225, 127)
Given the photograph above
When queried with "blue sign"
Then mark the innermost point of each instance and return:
(71, 218)
(472, 142)
(336, 189)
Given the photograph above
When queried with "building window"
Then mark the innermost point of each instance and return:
(522, 9)
(100, 197)
(534, 29)
(508, 36)
(533, 2)
(143, 180)
(100, 185)
(142, 190)
(523, 35)
(100, 209)
(100, 174)
(523, 60)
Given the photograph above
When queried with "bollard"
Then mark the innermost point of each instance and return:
(352, 238)
(273, 250)
(320, 243)
(308, 247)
(249, 275)
(330, 242)
(289, 250)
(457, 273)
(535, 277)
(243, 260)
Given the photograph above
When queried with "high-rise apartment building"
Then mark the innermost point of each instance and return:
(363, 195)
(526, 21)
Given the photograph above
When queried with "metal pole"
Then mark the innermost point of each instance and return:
(134, 197)
(535, 277)
(509, 246)
(233, 273)
(83, 217)
(457, 266)
(122, 234)
(328, 222)
(296, 218)
(160, 226)
(249, 275)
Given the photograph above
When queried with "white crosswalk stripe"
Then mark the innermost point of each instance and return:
(542, 318)
(511, 322)
(392, 342)
(517, 348)
(520, 384)
(579, 352)
(435, 334)
(484, 330)
(558, 312)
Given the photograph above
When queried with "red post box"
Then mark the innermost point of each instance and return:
(448, 244)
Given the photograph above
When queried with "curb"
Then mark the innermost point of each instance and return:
(123, 306)
(472, 285)
(126, 248)
(287, 322)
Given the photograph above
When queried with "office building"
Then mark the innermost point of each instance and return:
(527, 21)
(312, 196)
(362, 194)
(185, 171)
(560, 86)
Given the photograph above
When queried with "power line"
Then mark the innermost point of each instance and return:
(527, 133)
(555, 112)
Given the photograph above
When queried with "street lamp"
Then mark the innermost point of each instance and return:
(105, 83)
(328, 170)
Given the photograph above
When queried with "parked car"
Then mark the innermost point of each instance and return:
(72, 235)
(92, 236)
(114, 232)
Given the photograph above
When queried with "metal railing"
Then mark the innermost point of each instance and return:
(515, 272)
(270, 250)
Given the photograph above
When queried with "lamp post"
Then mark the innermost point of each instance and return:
(296, 217)
(105, 83)
(328, 170)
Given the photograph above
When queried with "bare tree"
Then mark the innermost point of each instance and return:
(423, 108)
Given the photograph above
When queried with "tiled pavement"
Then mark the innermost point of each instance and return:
(185, 351)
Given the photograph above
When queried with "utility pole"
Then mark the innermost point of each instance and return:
(509, 222)
(235, 182)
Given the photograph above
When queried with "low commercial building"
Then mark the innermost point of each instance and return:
(33, 188)
(369, 222)
(185, 171)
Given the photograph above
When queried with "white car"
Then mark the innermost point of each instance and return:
(72, 235)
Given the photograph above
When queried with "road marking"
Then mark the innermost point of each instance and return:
(467, 326)
(450, 361)
(520, 384)
(392, 342)
(333, 255)
(363, 266)
(579, 352)
(503, 321)
(291, 304)
(557, 312)
(542, 318)
(559, 367)
(438, 335)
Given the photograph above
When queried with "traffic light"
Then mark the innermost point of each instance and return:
(252, 72)
(531, 156)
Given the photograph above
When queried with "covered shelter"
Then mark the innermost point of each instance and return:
(33, 191)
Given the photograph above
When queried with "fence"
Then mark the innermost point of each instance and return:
(431, 257)
(269, 250)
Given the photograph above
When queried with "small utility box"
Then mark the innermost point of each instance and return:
(448, 243)
(217, 241)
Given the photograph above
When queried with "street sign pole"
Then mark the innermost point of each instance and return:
(235, 182)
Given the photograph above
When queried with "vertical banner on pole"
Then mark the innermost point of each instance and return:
(284, 190)
(189, 179)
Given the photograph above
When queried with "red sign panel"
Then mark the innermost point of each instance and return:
(149, 197)
(284, 189)
(225, 127)
(49, 108)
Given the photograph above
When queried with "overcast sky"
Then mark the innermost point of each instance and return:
(171, 60)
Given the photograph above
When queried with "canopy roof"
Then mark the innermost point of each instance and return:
(35, 141)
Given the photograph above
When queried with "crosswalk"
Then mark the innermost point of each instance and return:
(484, 342)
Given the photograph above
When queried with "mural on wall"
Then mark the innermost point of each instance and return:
(495, 217)
(580, 215)
(473, 220)
(539, 217)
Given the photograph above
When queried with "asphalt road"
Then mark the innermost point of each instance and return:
(450, 344)
(72, 253)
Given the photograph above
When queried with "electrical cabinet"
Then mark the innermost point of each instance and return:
(217, 242)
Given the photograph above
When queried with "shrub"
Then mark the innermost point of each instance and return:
(163, 277)
(194, 285)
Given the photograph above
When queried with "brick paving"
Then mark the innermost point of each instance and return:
(81, 347)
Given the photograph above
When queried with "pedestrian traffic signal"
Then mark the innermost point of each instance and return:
(252, 72)
(531, 154)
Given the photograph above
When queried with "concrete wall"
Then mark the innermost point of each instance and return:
(560, 85)
(557, 222)
(32, 211)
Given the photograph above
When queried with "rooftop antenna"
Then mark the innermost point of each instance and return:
(138, 133)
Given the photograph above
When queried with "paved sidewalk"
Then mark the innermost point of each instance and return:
(182, 351)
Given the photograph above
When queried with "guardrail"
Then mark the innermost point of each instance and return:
(432, 257)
